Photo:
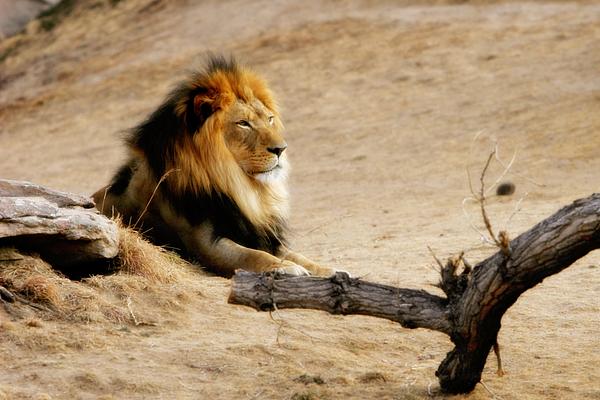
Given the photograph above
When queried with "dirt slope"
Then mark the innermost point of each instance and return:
(385, 104)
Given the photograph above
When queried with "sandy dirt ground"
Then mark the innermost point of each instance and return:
(386, 104)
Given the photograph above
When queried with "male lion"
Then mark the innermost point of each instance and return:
(207, 173)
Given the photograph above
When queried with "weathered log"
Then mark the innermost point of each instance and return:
(475, 300)
(341, 294)
(62, 227)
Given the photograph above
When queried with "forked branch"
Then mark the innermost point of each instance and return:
(476, 299)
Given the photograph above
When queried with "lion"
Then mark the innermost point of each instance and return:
(207, 174)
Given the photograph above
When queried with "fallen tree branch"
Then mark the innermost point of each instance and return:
(476, 299)
(341, 294)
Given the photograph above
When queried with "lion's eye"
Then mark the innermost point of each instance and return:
(271, 120)
(244, 124)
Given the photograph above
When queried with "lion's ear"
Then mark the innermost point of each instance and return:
(203, 105)
(199, 109)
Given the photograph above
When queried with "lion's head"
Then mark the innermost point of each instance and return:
(220, 133)
(252, 133)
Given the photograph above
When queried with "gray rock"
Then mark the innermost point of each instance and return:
(62, 227)
(10, 188)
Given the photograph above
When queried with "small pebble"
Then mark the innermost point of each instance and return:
(505, 189)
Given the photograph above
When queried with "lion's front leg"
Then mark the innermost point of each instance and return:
(311, 266)
(225, 256)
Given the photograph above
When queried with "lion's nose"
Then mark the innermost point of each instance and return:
(278, 149)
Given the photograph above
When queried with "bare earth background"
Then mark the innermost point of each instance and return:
(386, 104)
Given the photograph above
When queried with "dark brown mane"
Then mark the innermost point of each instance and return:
(183, 138)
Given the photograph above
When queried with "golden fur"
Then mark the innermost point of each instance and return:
(208, 173)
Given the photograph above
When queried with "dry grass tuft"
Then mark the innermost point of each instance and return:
(147, 277)
(37, 283)
(139, 257)
(308, 379)
(33, 323)
(31, 278)
(371, 377)
(41, 289)
(304, 396)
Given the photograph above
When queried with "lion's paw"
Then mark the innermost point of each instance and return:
(288, 267)
(335, 271)
(327, 272)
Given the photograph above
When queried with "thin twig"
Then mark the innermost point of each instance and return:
(104, 200)
(506, 169)
(135, 320)
(482, 235)
(470, 181)
(467, 164)
(521, 175)
(437, 260)
(32, 304)
(162, 178)
(500, 371)
(482, 198)
(516, 209)
(284, 324)
(494, 395)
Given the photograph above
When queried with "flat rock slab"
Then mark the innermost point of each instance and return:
(9, 188)
(62, 227)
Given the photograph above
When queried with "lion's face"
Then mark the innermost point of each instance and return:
(253, 135)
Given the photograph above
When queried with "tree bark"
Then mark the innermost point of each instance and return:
(475, 301)
(341, 294)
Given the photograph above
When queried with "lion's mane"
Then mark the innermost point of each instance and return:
(181, 148)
